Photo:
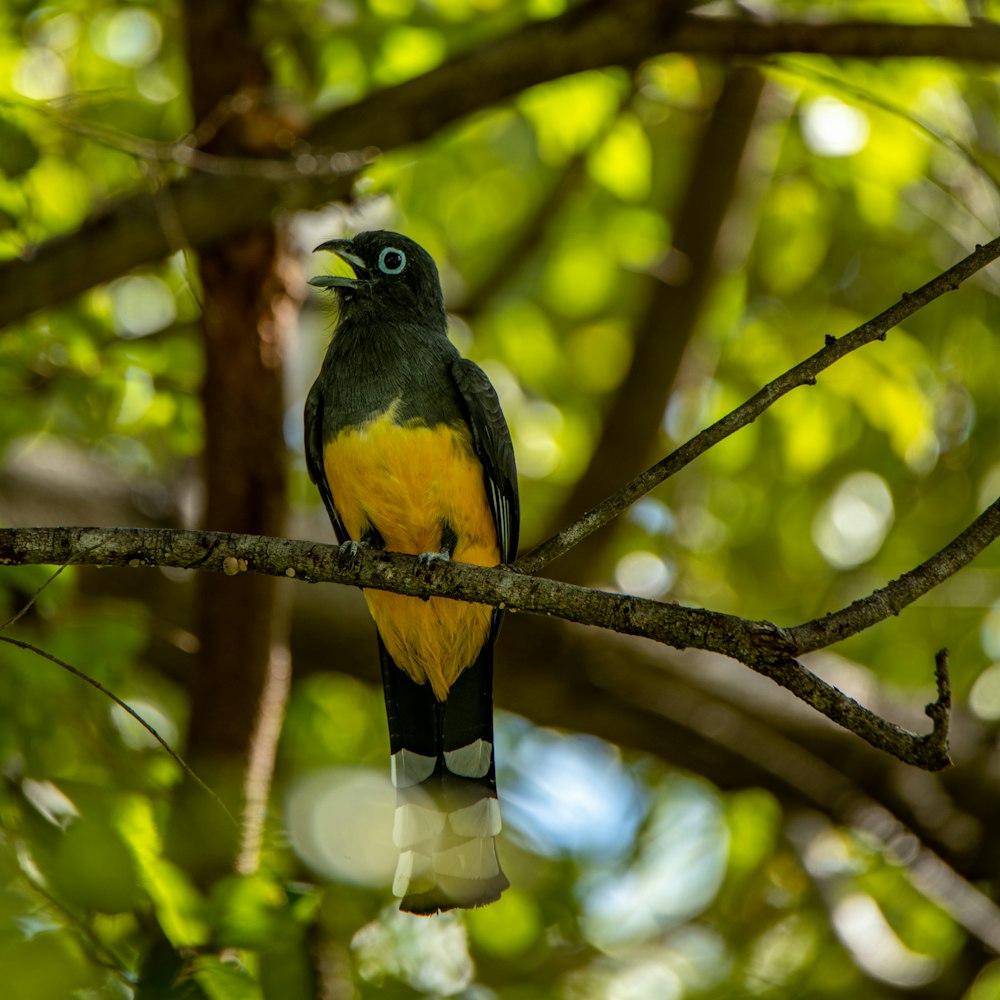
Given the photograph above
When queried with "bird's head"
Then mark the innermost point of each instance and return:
(392, 275)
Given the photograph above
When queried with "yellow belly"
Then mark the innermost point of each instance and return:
(408, 482)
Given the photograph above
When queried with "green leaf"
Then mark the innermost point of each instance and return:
(509, 927)
(179, 907)
(249, 911)
(623, 163)
(18, 153)
(225, 980)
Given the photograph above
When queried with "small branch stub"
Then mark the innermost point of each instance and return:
(939, 712)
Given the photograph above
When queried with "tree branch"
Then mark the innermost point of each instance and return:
(901, 592)
(762, 646)
(209, 208)
(978, 42)
(803, 373)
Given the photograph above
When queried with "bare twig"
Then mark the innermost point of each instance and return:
(852, 39)
(185, 767)
(901, 592)
(30, 603)
(760, 645)
(820, 782)
(939, 711)
(804, 373)
(866, 95)
(99, 953)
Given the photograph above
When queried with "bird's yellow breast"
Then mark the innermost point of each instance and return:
(411, 482)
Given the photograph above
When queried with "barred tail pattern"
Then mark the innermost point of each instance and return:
(442, 765)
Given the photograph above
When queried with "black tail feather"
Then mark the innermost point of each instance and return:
(447, 814)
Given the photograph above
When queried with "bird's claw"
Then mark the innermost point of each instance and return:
(350, 548)
(426, 558)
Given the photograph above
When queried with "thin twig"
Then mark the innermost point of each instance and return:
(102, 955)
(869, 97)
(804, 373)
(901, 592)
(939, 710)
(93, 682)
(324, 163)
(586, 37)
(31, 600)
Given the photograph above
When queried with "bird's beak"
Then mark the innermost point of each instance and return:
(344, 249)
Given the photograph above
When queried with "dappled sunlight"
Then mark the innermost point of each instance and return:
(644, 574)
(679, 864)
(41, 75)
(143, 304)
(851, 526)
(984, 698)
(653, 516)
(832, 128)
(431, 955)
(862, 927)
(129, 36)
(637, 230)
(567, 794)
(989, 631)
(784, 951)
(340, 823)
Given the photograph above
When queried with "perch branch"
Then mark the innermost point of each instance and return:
(762, 646)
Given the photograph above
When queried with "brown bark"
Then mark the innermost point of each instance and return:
(632, 425)
(249, 310)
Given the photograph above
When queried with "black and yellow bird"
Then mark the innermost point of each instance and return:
(411, 453)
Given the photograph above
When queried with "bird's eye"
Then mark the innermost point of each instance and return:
(391, 261)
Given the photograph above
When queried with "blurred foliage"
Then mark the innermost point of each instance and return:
(550, 217)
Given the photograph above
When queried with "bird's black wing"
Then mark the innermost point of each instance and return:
(493, 447)
(314, 458)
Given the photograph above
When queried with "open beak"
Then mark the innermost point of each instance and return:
(344, 249)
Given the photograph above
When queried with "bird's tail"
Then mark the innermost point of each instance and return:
(447, 815)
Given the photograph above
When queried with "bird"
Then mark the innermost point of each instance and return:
(409, 448)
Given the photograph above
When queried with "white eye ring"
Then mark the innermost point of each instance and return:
(392, 266)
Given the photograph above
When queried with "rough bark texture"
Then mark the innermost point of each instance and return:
(245, 478)
(760, 645)
(763, 647)
(248, 313)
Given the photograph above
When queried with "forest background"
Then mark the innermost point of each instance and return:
(643, 213)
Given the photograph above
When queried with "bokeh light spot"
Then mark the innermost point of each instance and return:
(643, 574)
(129, 36)
(340, 824)
(143, 304)
(984, 698)
(851, 526)
(833, 128)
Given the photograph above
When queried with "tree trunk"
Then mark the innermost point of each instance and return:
(248, 282)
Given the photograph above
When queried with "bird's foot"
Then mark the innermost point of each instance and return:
(426, 558)
(351, 548)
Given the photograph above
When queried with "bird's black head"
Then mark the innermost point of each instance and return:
(392, 276)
